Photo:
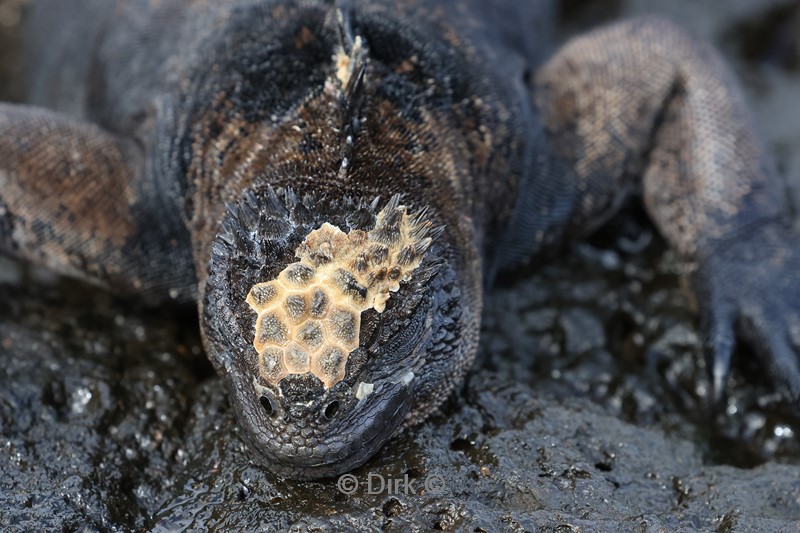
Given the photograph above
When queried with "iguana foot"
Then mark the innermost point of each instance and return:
(749, 289)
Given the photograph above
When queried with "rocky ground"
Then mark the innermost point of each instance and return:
(587, 410)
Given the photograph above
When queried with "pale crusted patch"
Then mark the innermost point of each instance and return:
(309, 317)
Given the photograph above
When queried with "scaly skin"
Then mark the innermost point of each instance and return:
(192, 147)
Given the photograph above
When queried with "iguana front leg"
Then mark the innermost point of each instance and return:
(76, 198)
(643, 99)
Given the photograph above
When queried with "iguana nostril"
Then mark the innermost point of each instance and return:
(266, 403)
(331, 409)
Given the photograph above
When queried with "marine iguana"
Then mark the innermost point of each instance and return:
(334, 184)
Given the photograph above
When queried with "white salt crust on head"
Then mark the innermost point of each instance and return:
(309, 317)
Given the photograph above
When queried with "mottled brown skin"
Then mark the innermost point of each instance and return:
(192, 145)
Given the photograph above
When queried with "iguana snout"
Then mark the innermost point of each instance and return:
(324, 327)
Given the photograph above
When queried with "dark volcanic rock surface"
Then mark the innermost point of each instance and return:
(588, 408)
(110, 419)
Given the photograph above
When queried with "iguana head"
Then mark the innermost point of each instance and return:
(335, 323)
